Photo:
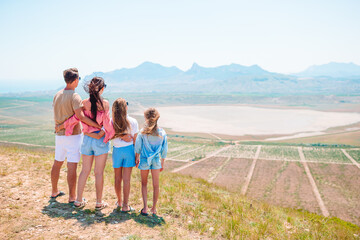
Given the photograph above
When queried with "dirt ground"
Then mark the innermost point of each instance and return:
(283, 184)
(204, 169)
(339, 186)
(233, 174)
(170, 165)
(28, 213)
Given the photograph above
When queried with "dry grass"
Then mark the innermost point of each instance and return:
(188, 209)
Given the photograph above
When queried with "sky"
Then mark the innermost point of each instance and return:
(39, 39)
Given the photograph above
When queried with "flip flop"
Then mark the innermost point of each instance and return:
(81, 205)
(142, 213)
(131, 209)
(102, 206)
(58, 195)
(118, 207)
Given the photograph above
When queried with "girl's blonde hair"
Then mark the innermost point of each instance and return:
(151, 117)
(119, 117)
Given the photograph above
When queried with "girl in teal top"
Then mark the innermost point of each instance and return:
(151, 149)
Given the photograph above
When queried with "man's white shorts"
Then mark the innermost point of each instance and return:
(68, 147)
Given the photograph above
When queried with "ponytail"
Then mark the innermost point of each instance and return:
(93, 88)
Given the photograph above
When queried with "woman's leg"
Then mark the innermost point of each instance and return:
(87, 162)
(144, 178)
(126, 179)
(100, 162)
(118, 179)
(155, 179)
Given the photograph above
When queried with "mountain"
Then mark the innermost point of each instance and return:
(332, 69)
(332, 78)
(145, 71)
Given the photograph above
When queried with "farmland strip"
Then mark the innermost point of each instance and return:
(177, 160)
(251, 171)
(313, 184)
(27, 144)
(188, 151)
(351, 159)
(207, 157)
(280, 160)
(218, 170)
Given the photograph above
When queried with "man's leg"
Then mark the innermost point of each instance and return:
(71, 179)
(55, 173)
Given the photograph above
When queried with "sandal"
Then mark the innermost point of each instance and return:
(118, 207)
(131, 209)
(102, 206)
(142, 213)
(58, 195)
(81, 205)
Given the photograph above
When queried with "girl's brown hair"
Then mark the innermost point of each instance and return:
(151, 117)
(119, 116)
(93, 88)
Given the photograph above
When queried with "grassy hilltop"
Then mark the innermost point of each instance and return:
(188, 209)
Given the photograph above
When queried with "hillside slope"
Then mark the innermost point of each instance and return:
(189, 209)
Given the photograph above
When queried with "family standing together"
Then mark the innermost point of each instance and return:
(145, 148)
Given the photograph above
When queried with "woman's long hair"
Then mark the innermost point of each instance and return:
(93, 88)
(151, 117)
(119, 116)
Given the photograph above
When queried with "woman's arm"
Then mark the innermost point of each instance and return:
(162, 164)
(96, 135)
(137, 159)
(134, 138)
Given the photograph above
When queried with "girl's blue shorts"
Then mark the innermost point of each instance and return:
(123, 157)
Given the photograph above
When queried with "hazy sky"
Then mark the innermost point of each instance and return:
(39, 39)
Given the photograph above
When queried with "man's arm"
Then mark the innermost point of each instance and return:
(95, 135)
(81, 116)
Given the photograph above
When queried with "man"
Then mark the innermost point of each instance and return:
(67, 103)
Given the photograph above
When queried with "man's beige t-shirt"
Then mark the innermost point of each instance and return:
(65, 103)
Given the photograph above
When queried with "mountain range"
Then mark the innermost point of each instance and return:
(332, 78)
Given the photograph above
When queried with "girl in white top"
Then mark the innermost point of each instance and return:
(123, 152)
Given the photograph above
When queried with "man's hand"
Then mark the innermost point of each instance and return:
(81, 116)
(59, 127)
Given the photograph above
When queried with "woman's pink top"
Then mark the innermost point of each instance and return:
(102, 118)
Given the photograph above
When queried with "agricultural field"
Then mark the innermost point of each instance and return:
(233, 174)
(239, 151)
(171, 165)
(318, 154)
(27, 121)
(355, 154)
(205, 168)
(282, 183)
(340, 189)
(283, 153)
(280, 178)
(187, 151)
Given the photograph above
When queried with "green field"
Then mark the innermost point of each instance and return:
(239, 151)
(325, 155)
(355, 154)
